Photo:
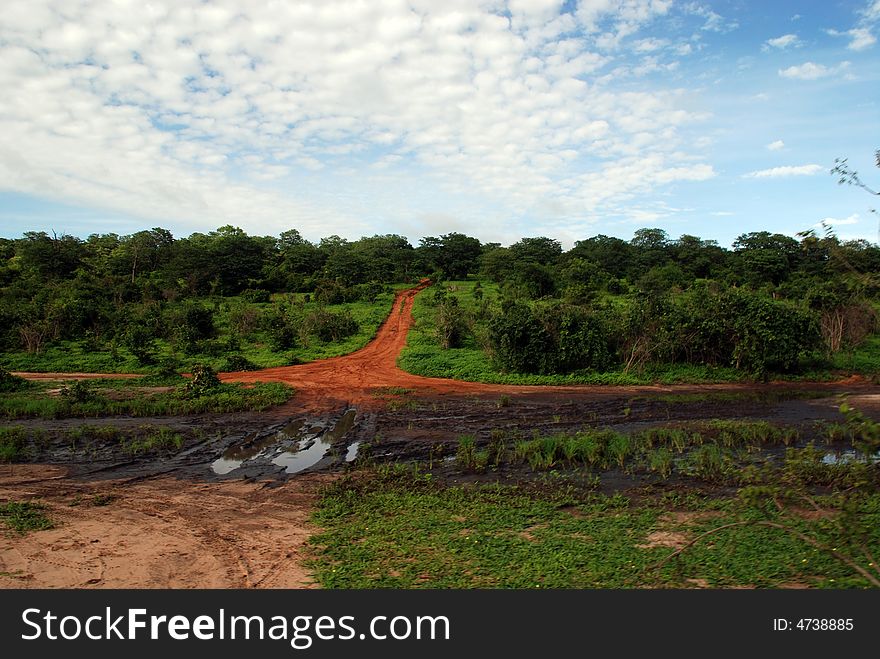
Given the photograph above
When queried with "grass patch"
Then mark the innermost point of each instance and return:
(12, 443)
(392, 528)
(153, 440)
(22, 517)
(223, 398)
(381, 392)
(721, 452)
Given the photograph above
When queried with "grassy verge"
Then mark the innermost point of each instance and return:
(397, 529)
(21, 517)
(128, 397)
(88, 441)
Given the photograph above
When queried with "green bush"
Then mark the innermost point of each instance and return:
(329, 326)
(204, 380)
(10, 383)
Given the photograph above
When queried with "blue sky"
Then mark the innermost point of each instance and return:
(499, 119)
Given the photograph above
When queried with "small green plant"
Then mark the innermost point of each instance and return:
(466, 455)
(21, 517)
(78, 391)
(154, 439)
(93, 433)
(496, 448)
(709, 462)
(660, 462)
(865, 433)
(237, 363)
(12, 443)
(620, 448)
(204, 380)
(503, 401)
(100, 500)
(10, 382)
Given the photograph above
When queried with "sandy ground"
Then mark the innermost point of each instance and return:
(162, 533)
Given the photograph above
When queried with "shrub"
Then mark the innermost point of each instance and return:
(552, 339)
(239, 363)
(203, 380)
(255, 295)
(10, 382)
(450, 323)
(78, 391)
(328, 326)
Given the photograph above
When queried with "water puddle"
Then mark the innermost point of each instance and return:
(294, 447)
(352, 452)
(237, 455)
(847, 457)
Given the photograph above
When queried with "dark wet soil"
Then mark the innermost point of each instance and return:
(276, 446)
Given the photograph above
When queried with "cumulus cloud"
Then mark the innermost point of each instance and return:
(786, 171)
(271, 114)
(811, 71)
(776, 145)
(783, 42)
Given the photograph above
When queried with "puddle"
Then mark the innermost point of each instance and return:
(295, 461)
(341, 428)
(309, 454)
(295, 447)
(352, 452)
(237, 455)
(847, 457)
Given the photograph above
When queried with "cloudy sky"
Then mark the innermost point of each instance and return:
(499, 119)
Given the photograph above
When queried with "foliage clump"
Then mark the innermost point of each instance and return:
(203, 381)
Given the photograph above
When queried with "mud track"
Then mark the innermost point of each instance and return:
(172, 521)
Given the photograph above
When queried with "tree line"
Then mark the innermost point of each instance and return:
(688, 299)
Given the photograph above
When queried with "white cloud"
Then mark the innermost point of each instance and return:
(714, 21)
(861, 35)
(835, 222)
(812, 71)
(783, 42)
(776, 145)
(264, 114)
(861, 38)
(785, 171)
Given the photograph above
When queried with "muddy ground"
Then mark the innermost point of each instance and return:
(231, 508)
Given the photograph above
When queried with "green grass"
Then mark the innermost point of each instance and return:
(224, 398)
(721, 452)
(154, 440)
(22, 517)
(12, 443)
(392, 529)
(863, 359)
(78, 356)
